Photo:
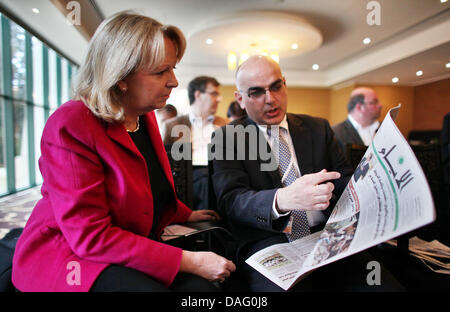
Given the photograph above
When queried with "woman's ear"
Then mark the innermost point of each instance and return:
(122, 86)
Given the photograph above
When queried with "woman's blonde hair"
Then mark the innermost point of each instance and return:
(121, 45)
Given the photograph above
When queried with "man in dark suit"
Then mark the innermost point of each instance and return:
(255, 197)
(359, 128)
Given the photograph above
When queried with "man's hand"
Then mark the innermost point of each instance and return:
(203, 215)
(307, 192)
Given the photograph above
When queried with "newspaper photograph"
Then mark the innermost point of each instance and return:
(387, 196)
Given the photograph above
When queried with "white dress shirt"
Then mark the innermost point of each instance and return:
(314, 217)
(365, 133)
(201, 131)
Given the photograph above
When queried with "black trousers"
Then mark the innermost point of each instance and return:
(200, 187)
(117, 278)
(348, 274)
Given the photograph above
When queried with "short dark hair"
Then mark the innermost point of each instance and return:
(356, 99)
(169, 108)
(235, 110)
(200, 83)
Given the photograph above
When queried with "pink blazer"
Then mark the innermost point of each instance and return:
(96, 209)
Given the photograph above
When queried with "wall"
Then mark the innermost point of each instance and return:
(338, 103)
(310, 101)
(391, 96)
(227, 93)
(431, 104)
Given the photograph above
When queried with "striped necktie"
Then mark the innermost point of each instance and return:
(288, 175)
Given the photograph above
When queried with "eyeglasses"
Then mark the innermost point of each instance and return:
(257, 92)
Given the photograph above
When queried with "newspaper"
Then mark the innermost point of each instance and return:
(432, 254)
(387, 196)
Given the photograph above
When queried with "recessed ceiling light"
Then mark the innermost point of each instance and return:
(209, 41)
(447, 65)
(35, 10)
(443, 1)
(315, 67)
(366, 40)
(294, 46)
(395, 79)
(419, 73)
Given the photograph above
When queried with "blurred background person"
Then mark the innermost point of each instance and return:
(204, 97)
(364, 109)
(235, 111)
(167, 112)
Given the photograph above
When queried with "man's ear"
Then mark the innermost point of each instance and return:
(197, 94)
(238, 98)
(359, 106)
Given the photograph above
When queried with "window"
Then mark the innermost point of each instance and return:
(65, 92)
(22, 176)
(3, 181)
(18, 62)
(52, 80)
(34, 81)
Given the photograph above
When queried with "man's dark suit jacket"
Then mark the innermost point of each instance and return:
(347, 134)
(245, 193)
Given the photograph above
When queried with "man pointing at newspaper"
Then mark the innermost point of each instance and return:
(266, 207)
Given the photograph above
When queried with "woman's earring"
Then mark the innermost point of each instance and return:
(122, 86)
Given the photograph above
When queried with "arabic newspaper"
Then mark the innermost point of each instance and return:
(387, 196)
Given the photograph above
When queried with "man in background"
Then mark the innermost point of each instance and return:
(364, 109)
(235, 111)
(204, 97)
(167, 112)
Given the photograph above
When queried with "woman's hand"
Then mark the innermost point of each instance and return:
(206, 264)
(203, 215)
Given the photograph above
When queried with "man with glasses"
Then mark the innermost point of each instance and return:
(204, 97)
(293, 199)
(364, 109)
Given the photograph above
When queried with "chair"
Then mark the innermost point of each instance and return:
(211, 236)
(7, 246)
(424, 136)
(429, 157)
(355, 153)
(182, 175)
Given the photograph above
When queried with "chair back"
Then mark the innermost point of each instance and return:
(355, 153)
(182, 174)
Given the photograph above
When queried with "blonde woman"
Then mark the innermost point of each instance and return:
(108, 191)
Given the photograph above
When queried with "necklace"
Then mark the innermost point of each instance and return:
(137, 127)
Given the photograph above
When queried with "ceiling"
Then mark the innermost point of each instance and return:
(412, 35)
